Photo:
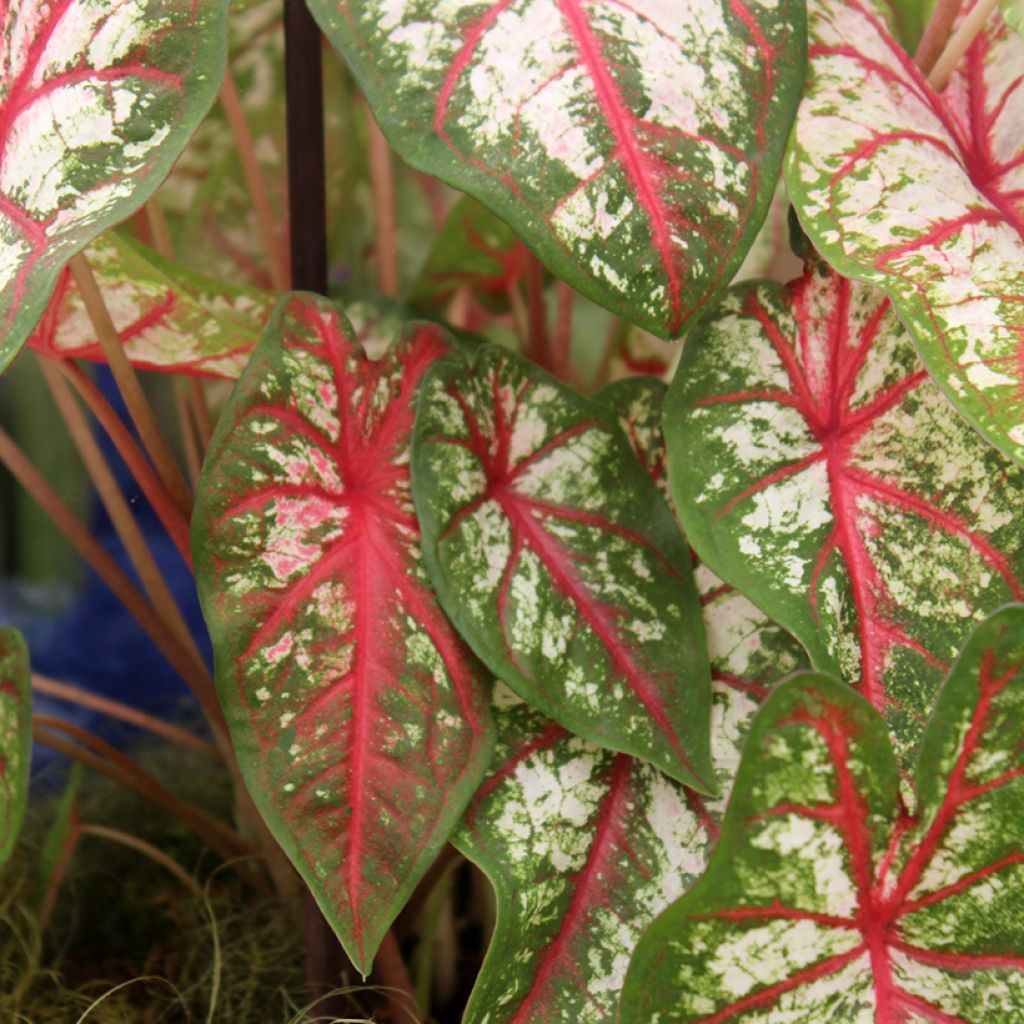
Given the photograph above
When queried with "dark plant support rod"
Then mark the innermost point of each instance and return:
(307, 216)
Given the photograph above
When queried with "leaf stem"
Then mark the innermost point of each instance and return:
(538, 343)
(128, 383)
(123, 712)
(390, 968)
(385, 221)
(255, 182)
(957, 46)
(115, 835)
(174, 522)
(114, 502)
(186, 428)
(158, 229)
(561, 342)
(107, 760)
(201, 412)
(936, 33)
(193, 672)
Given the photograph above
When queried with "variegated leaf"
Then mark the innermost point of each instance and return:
(1013, 14)
(584, 847)
(635, 147)
(557, 559)
(97, 99)
(817, 468)
(825, 901)
(359, 719)
(923, 195)
(15, 736)
(167, 318)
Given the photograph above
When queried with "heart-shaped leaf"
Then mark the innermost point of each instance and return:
(584, 847)
(825, 901)
(359, 719)
(923, 195)
(167, 318)
(96, 102)
(15, 736)
(635, 147)
(557, 559)
(817, 468)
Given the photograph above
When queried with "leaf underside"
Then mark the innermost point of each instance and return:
(167, 318)
(817, 467)
(558, 561)
(96, 102)
(634, 147)
(825, 900)
(585, 846)
(15, 736)
(923, 195)
(360, 720)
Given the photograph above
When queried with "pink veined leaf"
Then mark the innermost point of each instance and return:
(96, 102)
(558, 561)
(923, 195)
(817, 468)
(167, 318)
(15, 736)
(633, 146)
(360, 720)
(825, 900)
(585, 846)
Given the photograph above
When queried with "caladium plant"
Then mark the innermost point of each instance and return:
(359, 718)
(96, 102)
(819, 469)
(921, 193)
(15, 746)
(555, 556)
(634, 147)
(825, 899)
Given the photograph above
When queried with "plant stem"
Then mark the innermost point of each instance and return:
(959, 42)
(385, 222)
(390, 969)
(538, 346)
(193, 672)
(186, 429)
(255, 182)
(158, 228)
(561, 343)
(936, 33)
(127, 528)
(115, 835)
(123, 712)
(307, 196)
(129, 386)
(107, 760)
(201, 412)
(174, 522)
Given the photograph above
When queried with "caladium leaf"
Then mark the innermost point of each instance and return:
(474, 250)
(1013, 14)
(817, 468)
(634, 147)
(922, 195)
(360, 720)
(167, 318)
(825, 901)
(96, 102)
(15, 736)
(557, 559)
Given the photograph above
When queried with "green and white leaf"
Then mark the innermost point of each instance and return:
(817, 468)
(825, 901)
(167, 317)
(558, 561)
(923, 195)
(634, 147)
(97, 100)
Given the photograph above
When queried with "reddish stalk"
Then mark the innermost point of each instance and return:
(255, 182)
(186, 429)
(390, 969)
(385, 222)
(114, 502)
(159, 232)
(936, 33)
(957, 46)
(193, 672)
(107, 760)
(123, 712)
(129, 386)
(201, 412)
(538, 343)
(561, 341)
